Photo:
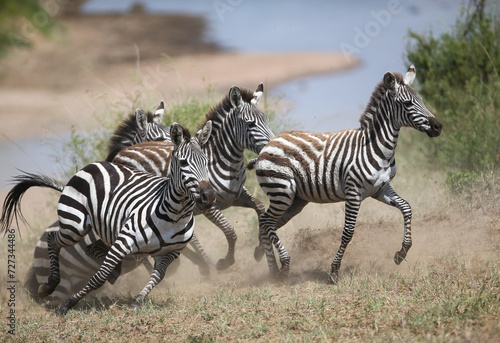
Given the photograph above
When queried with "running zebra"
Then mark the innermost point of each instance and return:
(132, 212)
(237, 125)
(80, 261)
(299, 167)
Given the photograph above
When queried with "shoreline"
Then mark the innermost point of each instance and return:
(41, 111)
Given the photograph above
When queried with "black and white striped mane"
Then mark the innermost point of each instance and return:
(218, 112)
(366, 119)
(122, 134)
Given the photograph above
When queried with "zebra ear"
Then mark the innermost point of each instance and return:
(205, 132)
(176, 134)
(141, 118)
(410, 75)
(235, 97)
(390, 81)
(257, 94)
(158, 116)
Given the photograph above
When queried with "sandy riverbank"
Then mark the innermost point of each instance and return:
(112, 58)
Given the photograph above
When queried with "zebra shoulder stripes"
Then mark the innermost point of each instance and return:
(131, 211)
(237, 125)
(299, 167)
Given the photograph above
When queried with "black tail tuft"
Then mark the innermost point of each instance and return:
(12, 204)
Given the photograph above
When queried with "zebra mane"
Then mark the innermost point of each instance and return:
(218, 112)
(185, 133)
(128, 126)
(366, 119)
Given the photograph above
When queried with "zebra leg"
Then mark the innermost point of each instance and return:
(388, 196)
(246, 199)
(116, 254)
(145, 262)
(216, 217)
(195, 258)
(54, 247)
(269, 238)
(195, 243)
(98, 250)
(352, 205)
(161, 264)
(297, 206)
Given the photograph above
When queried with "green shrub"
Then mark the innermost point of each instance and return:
(458, 77)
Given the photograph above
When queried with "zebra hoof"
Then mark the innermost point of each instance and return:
(333, 278)
(258, 253)
(135, 306)
(224, 263)
(204, 270)
(60, 311)
(399, 257)
(45, 290)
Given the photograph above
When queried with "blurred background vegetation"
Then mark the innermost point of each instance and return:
(458, 77)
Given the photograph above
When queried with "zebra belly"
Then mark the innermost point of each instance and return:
(158, 237)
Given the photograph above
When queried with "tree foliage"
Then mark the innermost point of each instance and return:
(458, 77)
(21, 21)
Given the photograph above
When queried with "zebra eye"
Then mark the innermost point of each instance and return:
(183, 163)
(251, 124)
(408, 103)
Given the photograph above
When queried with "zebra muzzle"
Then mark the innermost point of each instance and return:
(207, 196)
(435, 128)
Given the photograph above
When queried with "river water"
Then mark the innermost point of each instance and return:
(375, 31)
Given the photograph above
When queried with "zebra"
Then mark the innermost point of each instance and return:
(237, 125)
(299, 167)
(77, 264)
(132, 212)
(139, 128)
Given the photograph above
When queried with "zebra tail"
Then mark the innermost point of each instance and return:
(12, 204)
(251, 163)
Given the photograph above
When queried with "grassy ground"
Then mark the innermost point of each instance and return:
(448, 289)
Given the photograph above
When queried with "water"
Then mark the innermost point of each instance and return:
(375, 31)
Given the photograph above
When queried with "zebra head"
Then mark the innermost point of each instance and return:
(149, 126)
(409, 105)
(139, 128)
(189, 165)
(252, 124)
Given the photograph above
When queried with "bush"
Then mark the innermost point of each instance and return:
(458, 77)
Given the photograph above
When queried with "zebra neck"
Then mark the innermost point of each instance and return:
(175, 204)
(379, 131)
(224, 145)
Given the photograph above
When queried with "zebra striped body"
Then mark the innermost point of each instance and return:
(133, 212)
(237, 125)
(299, 167)
(75, 264)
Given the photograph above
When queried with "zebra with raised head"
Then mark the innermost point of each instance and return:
(299, 167)
(237, 125)
(76, 264)
(132, 212)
